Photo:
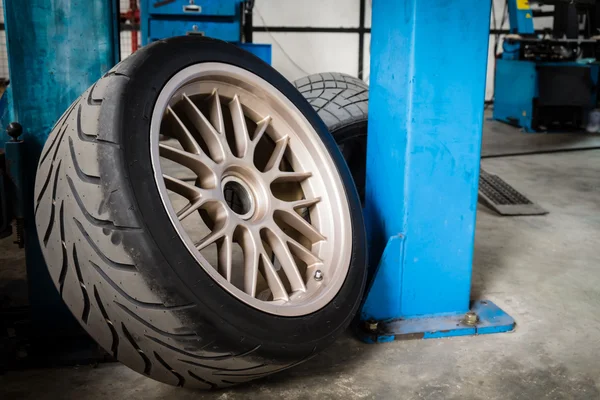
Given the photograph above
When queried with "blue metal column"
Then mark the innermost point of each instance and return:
(428, 70)
(56, 50)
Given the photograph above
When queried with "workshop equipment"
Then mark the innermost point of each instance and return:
(423, 155)
(548, 81)
(56, 49)
(228, 20)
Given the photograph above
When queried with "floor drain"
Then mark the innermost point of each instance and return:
(503, 198)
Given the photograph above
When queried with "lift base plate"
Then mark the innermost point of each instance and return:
(491, 319)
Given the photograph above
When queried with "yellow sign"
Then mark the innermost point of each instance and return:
(522, 4)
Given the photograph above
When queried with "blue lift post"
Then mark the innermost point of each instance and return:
(428, 70)
(56, 50)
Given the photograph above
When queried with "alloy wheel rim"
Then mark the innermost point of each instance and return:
(251, 189)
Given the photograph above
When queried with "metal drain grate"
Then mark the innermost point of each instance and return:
(503, 198)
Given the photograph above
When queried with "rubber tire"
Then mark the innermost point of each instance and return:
(119, 264)
(342, 102)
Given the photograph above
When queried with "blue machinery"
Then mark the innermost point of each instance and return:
(425, 127)
(214, 18)
(548, 83)
(221, 19)
(423, 152)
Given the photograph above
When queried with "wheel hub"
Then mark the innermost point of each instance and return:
(239, 197)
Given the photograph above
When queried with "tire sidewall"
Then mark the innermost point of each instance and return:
(165, 260)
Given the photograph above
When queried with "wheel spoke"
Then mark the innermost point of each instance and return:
(273, 281)
(249, 244)
(303, 253)
(197, 196)
(190, 208)
(283, 254)
(182, 188)
(278, 153)
(222, 227)
(224, 252)
(304, 203)
(216, 115)
(240, 131)
(207, 131)
(182, 134)
(293, 219)
(261, 128)
(284, 176)
(201, 165)
(297, 249)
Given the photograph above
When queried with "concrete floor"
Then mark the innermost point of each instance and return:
(544, 271)
(500, 139)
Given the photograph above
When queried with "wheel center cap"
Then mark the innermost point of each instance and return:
(238, 196)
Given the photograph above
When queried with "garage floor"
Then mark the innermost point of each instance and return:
(544, 271)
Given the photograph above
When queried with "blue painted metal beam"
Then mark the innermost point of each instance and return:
(56, 50)
(428, 70)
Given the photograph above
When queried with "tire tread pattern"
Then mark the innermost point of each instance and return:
(98, 280)
(339, 99)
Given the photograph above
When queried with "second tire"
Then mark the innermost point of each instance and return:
(342, 102)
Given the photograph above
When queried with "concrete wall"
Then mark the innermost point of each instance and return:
(298, 54)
